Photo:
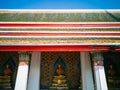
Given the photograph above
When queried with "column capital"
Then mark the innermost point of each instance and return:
(97, 58)
(27, 52)
(24, 57)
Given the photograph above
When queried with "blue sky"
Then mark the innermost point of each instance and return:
(59, 4)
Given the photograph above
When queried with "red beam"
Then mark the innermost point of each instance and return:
(117, 49)
(57, 25)
(54, 48)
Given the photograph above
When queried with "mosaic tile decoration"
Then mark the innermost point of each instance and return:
(72, 73)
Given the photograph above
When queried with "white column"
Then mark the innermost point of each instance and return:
(99, 72)
(22, 74)
(87, 78)
(34, 74)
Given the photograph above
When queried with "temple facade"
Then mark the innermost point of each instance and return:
(59, 49)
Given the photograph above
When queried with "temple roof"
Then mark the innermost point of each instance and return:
(60, 15)
(59, 27)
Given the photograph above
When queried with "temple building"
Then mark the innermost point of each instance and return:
(59, 49)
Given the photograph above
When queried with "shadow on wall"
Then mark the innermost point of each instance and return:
(113, 16)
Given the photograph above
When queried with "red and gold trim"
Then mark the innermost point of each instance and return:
(57, 41)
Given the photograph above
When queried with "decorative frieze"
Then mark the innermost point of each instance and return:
(59, 41)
